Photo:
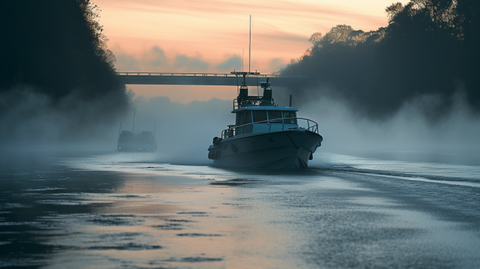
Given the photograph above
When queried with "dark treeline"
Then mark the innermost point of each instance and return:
(54, 59)
(430, 48)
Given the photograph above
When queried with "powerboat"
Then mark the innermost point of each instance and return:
(265, 135)
(142, 141)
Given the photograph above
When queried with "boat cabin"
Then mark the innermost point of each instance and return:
(256, 119)
(256, 114)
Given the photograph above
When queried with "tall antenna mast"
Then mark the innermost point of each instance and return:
(243, 53)
(249, 43)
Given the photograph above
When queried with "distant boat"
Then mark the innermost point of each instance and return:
(126, 141)
(265, 135)
(145, 141)
(142, 141)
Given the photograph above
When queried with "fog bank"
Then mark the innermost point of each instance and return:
(183, 131)
(57, 80)
(409, 130)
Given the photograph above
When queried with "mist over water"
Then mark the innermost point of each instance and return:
(394, 184)
(453, 138)
(409, 128)
(31, 121)
(116, 209)
(58, 85)
(408, 87)
(183, 131)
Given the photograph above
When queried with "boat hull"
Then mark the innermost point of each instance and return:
(136, 147)
(288, 149)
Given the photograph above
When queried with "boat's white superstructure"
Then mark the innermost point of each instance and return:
(265, 135)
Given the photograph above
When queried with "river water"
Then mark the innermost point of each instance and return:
(129, 210)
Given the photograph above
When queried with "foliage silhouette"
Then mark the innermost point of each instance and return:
(429, 48)
(55, 51)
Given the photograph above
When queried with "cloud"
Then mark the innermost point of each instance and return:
(189, 64)
(126, 62)
(300, 11)
(152, 59)
(232, 63)
(277, 64)
(156, 57)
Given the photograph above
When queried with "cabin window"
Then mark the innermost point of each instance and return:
(290, 114)
(259, 115)
(275, 116)
(244, 117)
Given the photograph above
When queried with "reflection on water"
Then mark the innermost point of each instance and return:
(128, 211)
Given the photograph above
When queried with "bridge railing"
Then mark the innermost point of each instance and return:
(161, 74)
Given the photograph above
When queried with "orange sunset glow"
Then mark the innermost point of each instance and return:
(212, 36)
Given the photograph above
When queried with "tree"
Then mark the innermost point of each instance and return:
(55, 50)
(429, 47)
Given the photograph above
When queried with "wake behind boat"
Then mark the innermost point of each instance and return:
(265, 135)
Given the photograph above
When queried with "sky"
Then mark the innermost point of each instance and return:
(213, 36)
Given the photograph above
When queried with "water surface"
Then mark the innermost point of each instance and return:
(119, 210)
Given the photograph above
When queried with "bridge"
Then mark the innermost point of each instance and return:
(215, 79)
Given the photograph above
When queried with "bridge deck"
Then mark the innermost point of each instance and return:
(219, 79)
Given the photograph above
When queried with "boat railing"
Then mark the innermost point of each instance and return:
(286, 124)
